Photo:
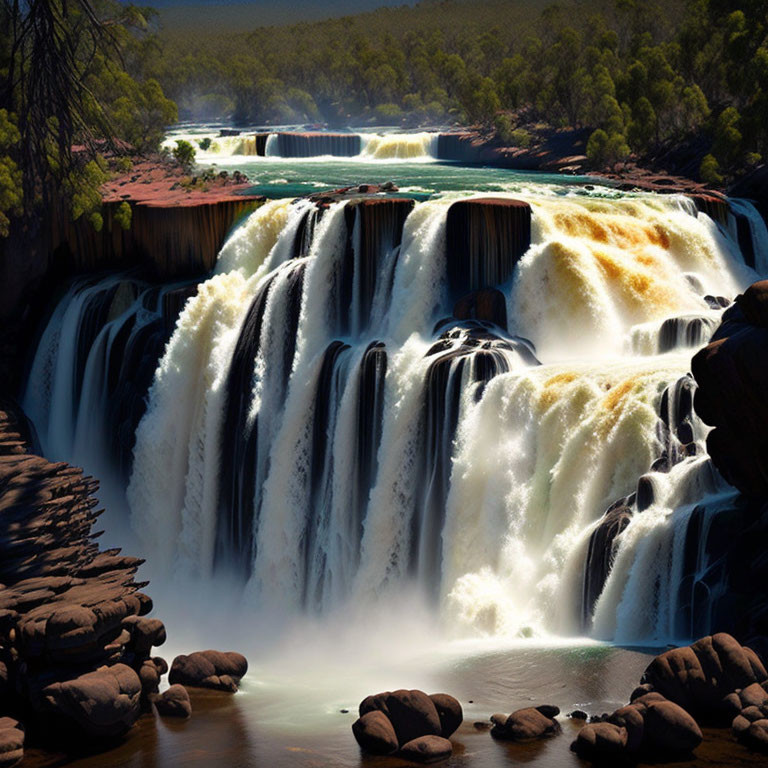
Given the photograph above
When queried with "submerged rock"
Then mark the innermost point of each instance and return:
(218, 670)
(427, 749)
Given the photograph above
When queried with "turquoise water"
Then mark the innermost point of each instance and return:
(290, 177)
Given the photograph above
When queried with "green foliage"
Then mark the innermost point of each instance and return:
(83, 188)
(184, 154)
(649, 72)
(205, 144)
(75, 76)
(124, 165)
(709, 170)
(11, 197)
(123, 215)
(604, 149)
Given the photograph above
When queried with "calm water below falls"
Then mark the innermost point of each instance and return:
(330, 471)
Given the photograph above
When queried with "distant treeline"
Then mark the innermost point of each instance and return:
(636, 73)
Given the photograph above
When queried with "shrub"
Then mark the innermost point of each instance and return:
(709, 170)
(123, 215)
(184, 153)
(205, 144)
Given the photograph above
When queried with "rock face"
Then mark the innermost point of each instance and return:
(410, 721)
(485, 238)
(731, 394)
(74, 635)
(527, 724)
(219, 670)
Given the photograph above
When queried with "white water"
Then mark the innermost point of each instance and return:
(538, 454)
(375, 147)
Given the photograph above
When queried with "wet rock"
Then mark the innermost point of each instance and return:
(449, 711)
(701, 676)
(427, 749)
(209, 669)
(11, 742)
(377, 701)
(599, 741)
(375, 734)
(104, 703)
(413, 714)
(669, 731)
(755, 736)
(578, 714)
(487, 304)
(174, 702)
(731, 393)
(526, 724)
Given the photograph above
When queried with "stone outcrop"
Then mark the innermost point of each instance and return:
(702, 677)
(218, 670)
(408, 722)
(74, 633)
(715, 682)
(732, 392)
(527, 724)
(650, 726)
(485, 238)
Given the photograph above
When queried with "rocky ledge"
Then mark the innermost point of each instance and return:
(75, 636)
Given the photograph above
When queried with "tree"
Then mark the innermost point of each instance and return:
(184, 154)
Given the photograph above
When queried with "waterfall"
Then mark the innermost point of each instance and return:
(369, 147)
(399, 146)
(484, 400)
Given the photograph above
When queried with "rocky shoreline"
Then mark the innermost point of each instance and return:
(76, 640)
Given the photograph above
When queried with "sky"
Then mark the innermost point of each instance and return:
(270, 12)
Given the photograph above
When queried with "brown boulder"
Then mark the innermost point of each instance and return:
(104, 703)
(412, 714)
(598, 741)
(449, 711)
(375, 734)
(701, 676)
(669, 731)
(427, 749)
(11, 742)
(209, 669)
(526, 725)
(174, 702)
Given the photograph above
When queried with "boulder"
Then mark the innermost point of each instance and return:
(11, 742)
(413, 714)
(104, 703)
(209, 669)
(755, 736)
(174, 702)
(375, 734)
(427, 749)
(701, 676)
(527, 724)
(449, 711)
(600, 741)
(669, 731)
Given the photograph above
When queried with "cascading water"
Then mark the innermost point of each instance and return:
(368, 147)
(347, 407)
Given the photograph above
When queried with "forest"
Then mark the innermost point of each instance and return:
(102, 77)
(637, 74)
